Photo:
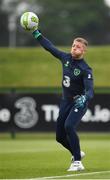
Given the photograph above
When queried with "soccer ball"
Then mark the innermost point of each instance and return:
(29, 21)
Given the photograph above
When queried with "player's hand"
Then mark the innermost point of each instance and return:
(80, 101)
(36, 33)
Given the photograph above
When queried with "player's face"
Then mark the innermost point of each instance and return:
(78, 49)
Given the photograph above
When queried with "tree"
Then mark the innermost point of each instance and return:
(62, 20)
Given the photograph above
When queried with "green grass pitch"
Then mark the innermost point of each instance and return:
(31, 156)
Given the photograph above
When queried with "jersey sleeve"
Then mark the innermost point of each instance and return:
(88, 83)
(46, 44)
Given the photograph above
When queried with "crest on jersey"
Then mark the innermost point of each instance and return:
(76, 72)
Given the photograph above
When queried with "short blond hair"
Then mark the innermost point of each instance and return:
(82, 40)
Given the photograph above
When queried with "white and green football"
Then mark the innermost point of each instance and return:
(29, 21)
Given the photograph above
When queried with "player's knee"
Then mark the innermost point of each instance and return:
(68, 127)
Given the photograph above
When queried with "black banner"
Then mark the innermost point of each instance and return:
(38, 112)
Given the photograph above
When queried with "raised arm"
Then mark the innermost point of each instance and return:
(46, 44)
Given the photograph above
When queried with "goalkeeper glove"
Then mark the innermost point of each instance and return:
(36, 34)
(80, 101)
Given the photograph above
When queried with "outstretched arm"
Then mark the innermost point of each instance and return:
(46, 44)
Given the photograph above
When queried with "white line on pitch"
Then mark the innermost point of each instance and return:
(64, 176)
(71, 175)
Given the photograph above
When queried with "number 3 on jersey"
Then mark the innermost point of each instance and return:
(66, 81)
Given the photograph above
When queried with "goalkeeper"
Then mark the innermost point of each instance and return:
(77, 84)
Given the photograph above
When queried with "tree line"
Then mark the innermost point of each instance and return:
(62, 20)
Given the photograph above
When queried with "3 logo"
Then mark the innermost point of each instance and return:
(27, 117)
